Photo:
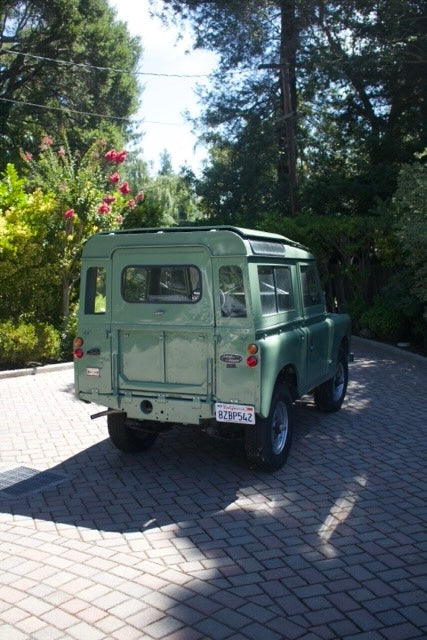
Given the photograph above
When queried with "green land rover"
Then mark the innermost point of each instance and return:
(219, 327)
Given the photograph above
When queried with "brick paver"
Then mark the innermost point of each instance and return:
(184, 542)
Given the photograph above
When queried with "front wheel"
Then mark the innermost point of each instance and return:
(267, 443)
(329, 396)
(124, 437)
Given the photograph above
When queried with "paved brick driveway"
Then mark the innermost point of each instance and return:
(184, 542)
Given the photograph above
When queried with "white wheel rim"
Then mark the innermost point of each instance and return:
(279, 428)
(339, 381)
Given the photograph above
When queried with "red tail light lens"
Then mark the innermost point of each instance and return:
(78, 353)
(252, 361)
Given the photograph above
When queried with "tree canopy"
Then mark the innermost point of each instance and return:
(60, 62)
(357, 97)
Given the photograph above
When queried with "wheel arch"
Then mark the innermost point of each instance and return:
(287, 376)
(344, 346)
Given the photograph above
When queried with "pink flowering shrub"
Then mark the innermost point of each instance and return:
(88, 198)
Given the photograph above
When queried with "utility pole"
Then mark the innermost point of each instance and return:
(289, 122)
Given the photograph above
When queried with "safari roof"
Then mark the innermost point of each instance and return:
(219, 240)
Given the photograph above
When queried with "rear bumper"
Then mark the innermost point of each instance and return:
(159, 408)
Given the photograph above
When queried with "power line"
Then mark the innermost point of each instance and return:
(97, 68)
(89, 113)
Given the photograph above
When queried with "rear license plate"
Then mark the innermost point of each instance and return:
(237, 413)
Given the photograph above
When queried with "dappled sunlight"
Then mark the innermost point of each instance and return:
(342, 508)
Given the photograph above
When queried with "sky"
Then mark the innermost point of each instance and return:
(165, 100)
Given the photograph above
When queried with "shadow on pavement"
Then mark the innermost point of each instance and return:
(328, 547)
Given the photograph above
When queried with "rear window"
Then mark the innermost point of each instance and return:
(232, 292)
(166, 284)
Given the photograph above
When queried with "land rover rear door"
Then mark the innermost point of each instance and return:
(163, 321)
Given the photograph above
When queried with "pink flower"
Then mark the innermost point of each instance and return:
(104, 208)
(61, 152)
(110, 155)
(109, 199)
(125, 189)
(140, 196)
(28, 156)
(114, 178)
(69, 214)
(120, 157)
(115, 157)
(119, 219)
(131, 204)
(46, 141)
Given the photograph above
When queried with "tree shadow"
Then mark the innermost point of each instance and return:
(288, 554)
(184, 477)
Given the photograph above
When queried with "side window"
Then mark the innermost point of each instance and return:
(161, 284)
(311, 291)
(232, 292)
(95, 295)
(275, 286)
(285, 298)
(267, 290)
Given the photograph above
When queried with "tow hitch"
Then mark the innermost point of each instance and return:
(108, 412)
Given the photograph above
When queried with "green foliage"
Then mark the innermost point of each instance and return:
(355, 254)
(411, 227)
(45, 220)
(23, 343)
(169, 200)
(27, 282)
(382, 320)
(69, 332)
(49, 36)
(356, 82)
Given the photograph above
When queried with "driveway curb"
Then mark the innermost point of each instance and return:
(48, 368)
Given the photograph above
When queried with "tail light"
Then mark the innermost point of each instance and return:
(251, 361)
(78, 351)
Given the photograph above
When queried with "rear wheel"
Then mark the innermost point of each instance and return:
(267, 443)
(126, 435)
(329, 396)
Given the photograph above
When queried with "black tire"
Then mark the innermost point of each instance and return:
(330, 395)
(267, 443)
(125, 438)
